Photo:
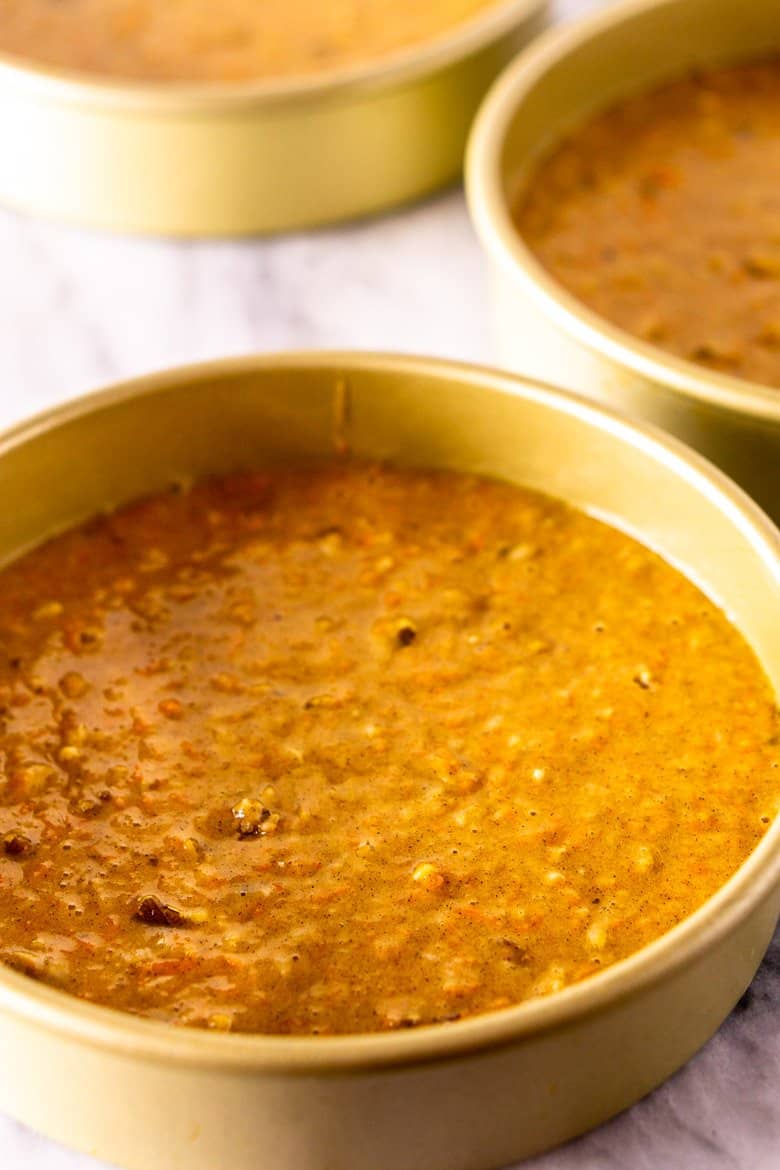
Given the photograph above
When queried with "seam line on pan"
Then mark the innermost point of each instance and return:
(342, 416)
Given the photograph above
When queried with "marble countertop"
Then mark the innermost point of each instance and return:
(78, 309)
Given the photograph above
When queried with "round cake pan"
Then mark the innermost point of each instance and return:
(221, 159)
(541, 329)
(469, 1095)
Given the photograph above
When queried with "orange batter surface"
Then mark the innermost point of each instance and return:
(348, 749)
(233, 40)
(663, 215)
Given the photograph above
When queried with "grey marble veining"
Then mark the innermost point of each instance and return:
(78, 309)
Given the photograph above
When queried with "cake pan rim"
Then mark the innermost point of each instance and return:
(504, 244)
(390, 71)
(688, 942)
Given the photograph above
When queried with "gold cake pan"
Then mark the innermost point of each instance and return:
(544, 331)
(238, 158)
(469, 1095)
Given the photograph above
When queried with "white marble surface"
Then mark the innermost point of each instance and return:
(79, 309)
